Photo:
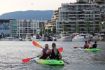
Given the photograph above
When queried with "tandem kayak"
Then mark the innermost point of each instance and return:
(49, 62)
(92, 49)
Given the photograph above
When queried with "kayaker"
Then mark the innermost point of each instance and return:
(94, 45)
(45, 52)
(55, 54)
(89, 43)
(86, 45)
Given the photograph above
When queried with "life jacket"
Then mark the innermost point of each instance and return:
(94, 46)
(44, 54)
(86, 46)
(54, 55)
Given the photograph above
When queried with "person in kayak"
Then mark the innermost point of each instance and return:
(94, 45)
(89, 43)
(55, 54)
(45, 52)
(86, 45)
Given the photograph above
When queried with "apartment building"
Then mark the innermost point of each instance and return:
(93, 1)
(79, 17)
(51, 24)
(29, 27)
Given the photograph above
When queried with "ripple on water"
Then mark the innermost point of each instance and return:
(12, 53)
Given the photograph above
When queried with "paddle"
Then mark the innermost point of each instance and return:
(60, 49)
(26, 60)
(78, 47)
(36, 44)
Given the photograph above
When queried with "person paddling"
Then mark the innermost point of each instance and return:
(89, 43)
(45, 52)
(55, 54)
(94, 45)
(86, 45)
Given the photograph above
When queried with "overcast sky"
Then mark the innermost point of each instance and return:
(22, 5)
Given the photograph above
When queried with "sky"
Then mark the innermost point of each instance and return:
(23, 5)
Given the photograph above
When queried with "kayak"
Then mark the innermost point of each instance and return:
(92, 49)
(49, 62)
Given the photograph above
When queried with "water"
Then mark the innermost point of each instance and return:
(12, 52)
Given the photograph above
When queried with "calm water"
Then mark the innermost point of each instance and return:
(12, 52)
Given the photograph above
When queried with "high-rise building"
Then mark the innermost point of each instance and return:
(51, 25)
(79, 17)
(87, 1)
(100, 1)
(93, 1)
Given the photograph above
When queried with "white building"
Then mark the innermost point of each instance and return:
(29, 27)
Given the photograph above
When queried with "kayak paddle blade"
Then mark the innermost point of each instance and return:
(26, 60)
(60, 49)
(35, 43)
